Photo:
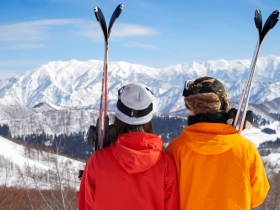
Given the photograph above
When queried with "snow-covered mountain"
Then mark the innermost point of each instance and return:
(30, 168)
(48, 118)
(63, 97)
(59, 120)
(78, 84)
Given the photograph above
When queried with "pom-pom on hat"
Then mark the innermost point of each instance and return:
(206, 95)
(135, 104)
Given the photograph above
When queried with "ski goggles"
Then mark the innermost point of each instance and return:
(186, 92)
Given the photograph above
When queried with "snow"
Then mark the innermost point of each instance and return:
(61, 93)
(15, 153)
(17, 167)
(78, 83)
(274, 160)
(274, 157)
(257, 136)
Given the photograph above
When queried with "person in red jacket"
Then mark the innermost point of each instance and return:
(133, 173)
(218, 169)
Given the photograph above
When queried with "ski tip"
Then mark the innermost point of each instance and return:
(118, 10)
(257, 12)
(95, 9)
(121, 6)
(258, 20)
(270, 23)
(276, 12)
(274, 18)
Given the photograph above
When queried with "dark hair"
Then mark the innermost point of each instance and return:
(122, 127)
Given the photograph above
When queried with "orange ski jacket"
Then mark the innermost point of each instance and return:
(132, 174)
(218, 169)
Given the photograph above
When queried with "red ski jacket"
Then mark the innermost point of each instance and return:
(134, 173)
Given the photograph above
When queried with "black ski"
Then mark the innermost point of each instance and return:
(100, 135)
(103, 120)
(262, 32)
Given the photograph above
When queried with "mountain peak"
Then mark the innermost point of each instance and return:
(78, 83)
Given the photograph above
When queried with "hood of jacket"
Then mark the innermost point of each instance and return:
(210, 138)
(137, 151)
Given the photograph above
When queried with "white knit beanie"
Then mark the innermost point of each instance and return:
(135, 104)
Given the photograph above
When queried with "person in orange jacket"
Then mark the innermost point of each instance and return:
(218, 169)
(133, 173)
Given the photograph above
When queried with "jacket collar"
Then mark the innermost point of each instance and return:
(218, 117)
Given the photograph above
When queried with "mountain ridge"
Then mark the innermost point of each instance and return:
(78, 83)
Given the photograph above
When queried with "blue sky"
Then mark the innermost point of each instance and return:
(155, 33)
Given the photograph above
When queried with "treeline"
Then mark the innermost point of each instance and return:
(259, 121)
(270, 144)
(73, 145)
(168, 127)
(5, 130)
(277, 115)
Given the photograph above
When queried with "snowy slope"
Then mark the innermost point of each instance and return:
(38, 169)
(257, 136)
(274, 158)
(77, 83)
(19, 164)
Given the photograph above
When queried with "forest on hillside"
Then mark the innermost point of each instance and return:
(75, 145)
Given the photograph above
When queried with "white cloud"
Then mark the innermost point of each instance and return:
(124, 30)
(93, 31)
(40, 30)
(32, 30)
(90, 30)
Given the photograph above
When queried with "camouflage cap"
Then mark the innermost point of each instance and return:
(205, 85)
